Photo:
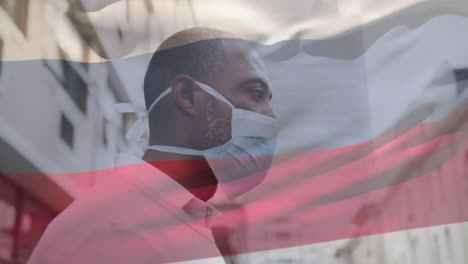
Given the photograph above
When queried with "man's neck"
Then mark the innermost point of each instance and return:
(193, 173)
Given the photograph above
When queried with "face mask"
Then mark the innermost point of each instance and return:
(241, 163)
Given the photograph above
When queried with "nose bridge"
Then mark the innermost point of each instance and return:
(268, 111)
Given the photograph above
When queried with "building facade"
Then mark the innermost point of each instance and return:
(56, 118)
(437, 244)
(58, 88)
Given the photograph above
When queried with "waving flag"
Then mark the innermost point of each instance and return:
(373, 132)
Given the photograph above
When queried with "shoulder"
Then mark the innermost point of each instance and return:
(116, 218)
(104, 245)
(113, 245)
(100, 227)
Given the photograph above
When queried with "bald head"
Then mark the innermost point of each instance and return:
(193, 35)
(217, 59)
(198, 52)
(191, 116)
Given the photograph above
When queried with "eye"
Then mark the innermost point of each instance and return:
(257, 92)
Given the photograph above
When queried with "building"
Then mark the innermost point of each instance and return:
(433, 245)
(57, 92)
(55, 118)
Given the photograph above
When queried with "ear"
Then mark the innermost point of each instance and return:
(183, 92)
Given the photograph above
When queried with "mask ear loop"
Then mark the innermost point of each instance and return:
(137, 130)
(202, 86)
(214, 93)
(177, 150)
(187, 151)
(160, 97)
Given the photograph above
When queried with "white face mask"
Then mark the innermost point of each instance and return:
(241, 163)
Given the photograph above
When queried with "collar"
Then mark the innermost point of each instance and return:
(162, 188)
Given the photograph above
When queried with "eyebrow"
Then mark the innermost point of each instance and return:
(261, 81)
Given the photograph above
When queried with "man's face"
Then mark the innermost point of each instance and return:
(244, 82)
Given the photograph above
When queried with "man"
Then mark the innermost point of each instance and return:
(211, 124)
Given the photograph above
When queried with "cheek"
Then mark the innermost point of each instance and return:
(247, 102)
(218, 120)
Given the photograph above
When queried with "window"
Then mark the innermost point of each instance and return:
(104, 132)
(8, 198)
(23, 220)
(1, 55)
(74, 84)
(65, 72)
(33, 222)
(66, 131)
(461, 76)
(112, 87)
(18, 12)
